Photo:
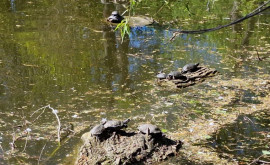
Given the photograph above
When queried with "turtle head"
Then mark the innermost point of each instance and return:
(170, 76)
(103, 121)
(126, 121)
(197, 64)
(115, 17)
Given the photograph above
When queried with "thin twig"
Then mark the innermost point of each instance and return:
(12, 144)
(38, 116)
(255, 160)
(159, 9)
(41, 153)
(54, 111)
(39, 110)
(258, 55)
(2, 150)
(26, 142)
(207, 6)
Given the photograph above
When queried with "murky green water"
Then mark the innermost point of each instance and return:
(65, 54)
(247, 139)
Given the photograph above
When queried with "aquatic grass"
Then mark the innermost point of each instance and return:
(124, 26)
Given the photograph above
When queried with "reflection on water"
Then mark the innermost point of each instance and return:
(65, 54)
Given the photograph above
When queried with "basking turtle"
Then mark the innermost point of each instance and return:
(116, 124)
(190, 68)
(176, 75)
(97, 130)
(133, 21)
(115, 17)
(161, 75)
(149, 129)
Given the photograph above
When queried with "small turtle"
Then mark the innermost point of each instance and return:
(97, 130)
(176, 75)
(149, 129)
(190, 68)
(116, 124)
(115, 17)
(161, 75)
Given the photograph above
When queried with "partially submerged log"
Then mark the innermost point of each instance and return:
(192, 78)
(126, 148)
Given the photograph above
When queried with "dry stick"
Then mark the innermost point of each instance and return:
(253, 13)
(159, 9)
(38, 110)
(54, 111)
(41, 152)
(12, 144)
(258, 55)
(255, 160)
(26, 142)
(38, 115)
(2, 150)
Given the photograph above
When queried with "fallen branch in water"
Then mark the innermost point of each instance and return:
(253, 13)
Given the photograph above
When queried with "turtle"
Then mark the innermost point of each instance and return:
(97, 130)
(161, 75)
(115, 17)
(149, 129)
(176, 75)
(190, 68)
(133, 21)
(140, 21)
(115, 125)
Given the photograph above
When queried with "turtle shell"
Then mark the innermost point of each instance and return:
(116, 124)
(133, 21)
(149, 128)
(190, 68)
(139, 21)
(176, 75)
(161, 76)
(97, 130)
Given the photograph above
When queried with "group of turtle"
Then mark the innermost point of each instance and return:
(107, 126)
(177, 74)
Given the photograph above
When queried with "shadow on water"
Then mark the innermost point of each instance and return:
(247, 139)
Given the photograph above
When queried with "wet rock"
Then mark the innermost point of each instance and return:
(126, 148)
